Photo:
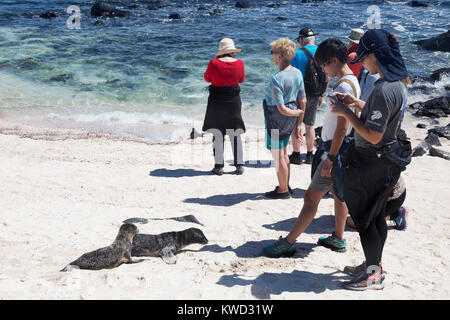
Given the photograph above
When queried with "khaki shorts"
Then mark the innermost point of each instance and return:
(312, 103)
(319, 183)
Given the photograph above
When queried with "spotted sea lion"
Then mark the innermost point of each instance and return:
(108, 257)
(166, 245)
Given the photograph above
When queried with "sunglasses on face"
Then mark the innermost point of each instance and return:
(324, 65)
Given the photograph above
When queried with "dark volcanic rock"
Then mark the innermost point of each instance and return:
(243, 4)
(438, 43)
(48, 15)
(418, 4)
(441, 131)
(273, 5)
(420, 150)
(175, 16)
(281, 18)
(433, 140)
(434, 108)
(421, 126)
(62, 77)
(437, 74)
(103, 9)
(439, 153)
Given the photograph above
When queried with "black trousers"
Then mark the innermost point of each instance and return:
(236, 146)
(368, 183)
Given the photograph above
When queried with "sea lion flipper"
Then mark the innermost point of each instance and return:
(167, 254)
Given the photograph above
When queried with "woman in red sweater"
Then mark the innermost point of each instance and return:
(223, 113)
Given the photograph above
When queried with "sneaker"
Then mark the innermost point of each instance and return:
(217, 171)
(333, 243)
(295, 158)
(289, 189)
(275, 195)
(365, 282)
(239, 170)
(279, 249)
(355, 271)
(400, 221)
(309, 158)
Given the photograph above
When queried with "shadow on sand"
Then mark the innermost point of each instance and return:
(268, 284)
(179, 173)
(253, 249)
(323, 224)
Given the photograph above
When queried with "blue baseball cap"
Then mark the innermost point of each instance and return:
(387, 53)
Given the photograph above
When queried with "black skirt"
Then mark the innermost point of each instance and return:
(224, 109)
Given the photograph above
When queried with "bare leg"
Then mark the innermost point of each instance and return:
(340, 216)
(307, 214)
(310, 135)
(282, 169)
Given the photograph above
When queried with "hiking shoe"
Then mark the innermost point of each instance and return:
(309, 158)
(333, 243)
(365, 282)
(275, 195)
(289, 189)
(295, 158)
(279, 249)
(354, 271)
(217, 171)
(400, 221)
(239, 170)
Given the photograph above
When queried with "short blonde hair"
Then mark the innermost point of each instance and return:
(284, 47)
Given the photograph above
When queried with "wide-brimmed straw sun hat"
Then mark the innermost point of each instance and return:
(355, 35)
(226, 45)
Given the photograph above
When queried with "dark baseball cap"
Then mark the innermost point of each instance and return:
(387, 53)
(306, 32)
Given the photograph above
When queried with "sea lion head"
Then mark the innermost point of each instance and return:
(129, 230)
(196, 236)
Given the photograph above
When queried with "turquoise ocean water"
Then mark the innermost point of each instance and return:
(143, 74)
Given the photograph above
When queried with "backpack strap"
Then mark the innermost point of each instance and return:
(308, 53)
(357, 112)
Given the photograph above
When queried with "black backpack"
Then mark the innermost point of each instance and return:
(314, 78)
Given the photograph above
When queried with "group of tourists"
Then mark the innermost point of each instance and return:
(358, 158)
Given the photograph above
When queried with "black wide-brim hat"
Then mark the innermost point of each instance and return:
(386, 52)
(306, 32)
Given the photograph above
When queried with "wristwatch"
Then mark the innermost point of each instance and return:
(332, 158)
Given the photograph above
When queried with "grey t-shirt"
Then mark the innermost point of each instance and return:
(382, 112)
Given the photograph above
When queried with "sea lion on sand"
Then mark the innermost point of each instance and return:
(165, 245)
(108, 257)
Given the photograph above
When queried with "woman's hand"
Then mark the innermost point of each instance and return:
(326, 169)
(299, 112)
(349, 100)
(340, 109)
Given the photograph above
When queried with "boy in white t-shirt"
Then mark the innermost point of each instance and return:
(331, 55)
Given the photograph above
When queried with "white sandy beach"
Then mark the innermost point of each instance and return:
(64, 193)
